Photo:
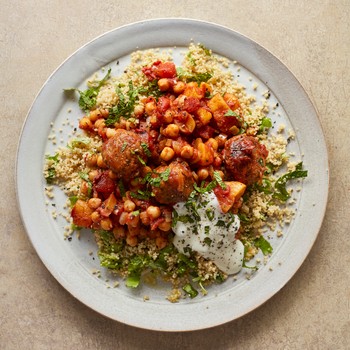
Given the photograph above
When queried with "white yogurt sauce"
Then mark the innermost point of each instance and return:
(210, 232)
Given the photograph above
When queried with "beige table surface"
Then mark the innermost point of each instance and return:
(313, 39)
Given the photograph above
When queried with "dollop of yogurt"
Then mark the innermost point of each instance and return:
(201, 226)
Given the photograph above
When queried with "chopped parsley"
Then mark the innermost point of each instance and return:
(281, 192)
(51, 171)
(146, 149)
(79, 142)
(265, 124)
(190, 290)
(87, 99)
(85, 177)
(156, 181)
(231, 113)
(195, 77)
(125, 106)
(263, 244)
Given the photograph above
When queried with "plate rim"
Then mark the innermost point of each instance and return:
(18, 183)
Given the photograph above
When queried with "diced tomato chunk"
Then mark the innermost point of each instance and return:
(104, 185)
(160, 70)
(191, 104)
(166, 70)
(163, 104)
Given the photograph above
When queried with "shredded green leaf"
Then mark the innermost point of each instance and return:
(125, 106)
(266, 124)
(281, 192)
(87, 99)
(190, 290)
(79, 142)
(231, 113)
(188, 77)
(146, 149)
(219, 180)
(51, 174)
(264, 245)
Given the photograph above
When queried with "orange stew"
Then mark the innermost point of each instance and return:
(184, 137)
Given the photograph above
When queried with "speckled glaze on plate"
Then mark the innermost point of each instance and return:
(69, 261)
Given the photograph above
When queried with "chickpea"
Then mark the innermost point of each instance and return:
(106, 224)
(100, 162)
(99, 123)
(202, 174)
(85, 123)
(145, 170)
(163, 84)
(153, 212)
(144, 218)
(234, 130)
(217, 161)
(129, 206)
(119, 232)
(112, 175)
(161, 242)
(150, 107)
(179, 87)
(94, 203)
(154, 120)
(110, 132)
(134, 220)
(168, 116)
(91, 160)
(95, 217)
(172, 131)
(167, 154)
(131, 240)
(94, 115)
(139, 110)
(104, 113)
(93, 174)
(187, 152)
(124, 216)
(213, 144)
(84, 188)
(164, 226)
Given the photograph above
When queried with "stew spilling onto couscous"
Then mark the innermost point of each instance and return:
(174, 170)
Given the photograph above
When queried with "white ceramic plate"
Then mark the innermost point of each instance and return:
(70, 263)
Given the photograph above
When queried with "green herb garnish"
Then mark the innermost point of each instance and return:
(196, 77)
(125, 106)
(189, 290)
(55, 158)
(85, 177)
(79, 142)
(51, 174)
(281, 192)
(146, 149)
(87, 99)
(231, 113)
(219, 180)
(264, 245)
(156, 181)
(265, 124)
(142, 195)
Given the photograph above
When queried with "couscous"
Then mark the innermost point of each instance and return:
(174, 171)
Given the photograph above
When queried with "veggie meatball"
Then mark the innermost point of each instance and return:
(176, 183)
(124, 154)
(245, 158)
